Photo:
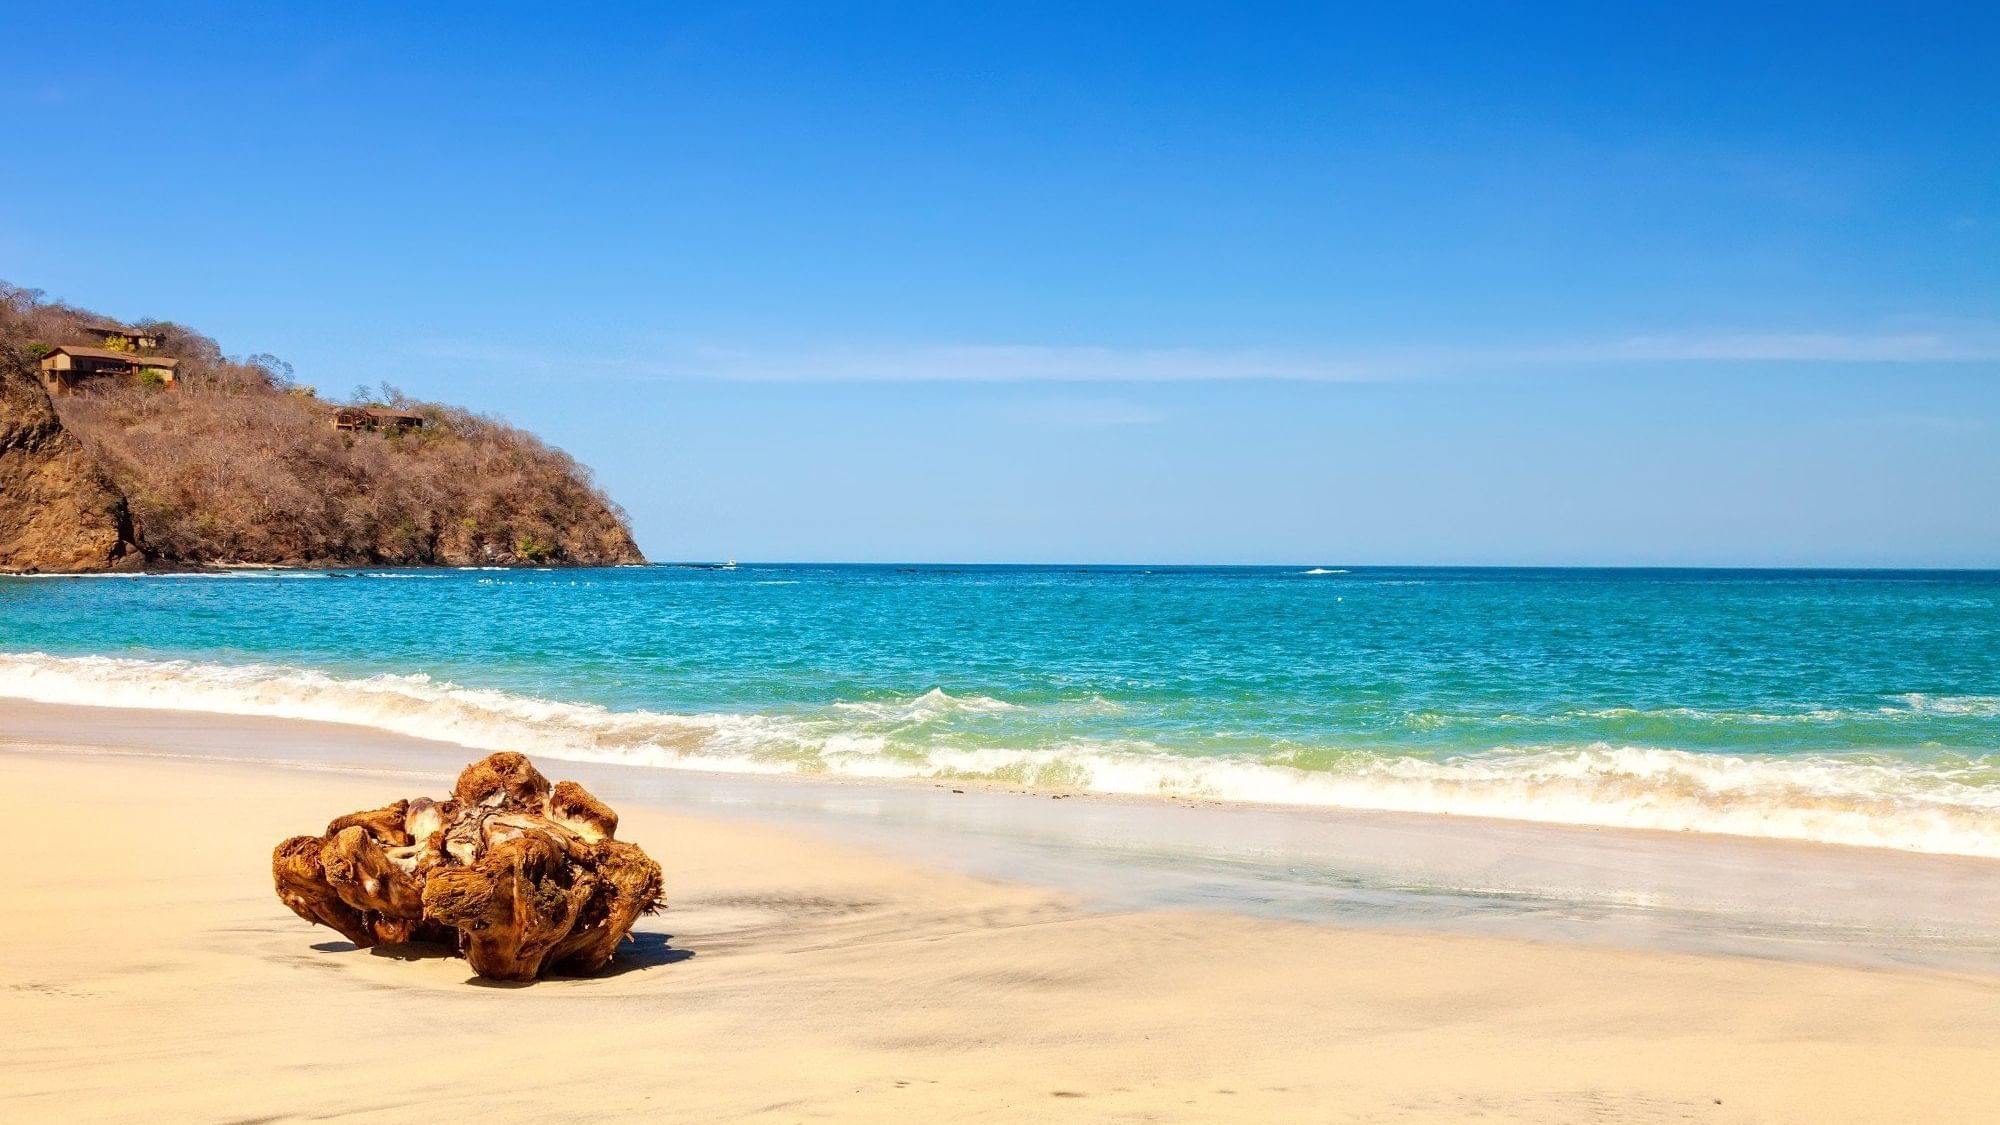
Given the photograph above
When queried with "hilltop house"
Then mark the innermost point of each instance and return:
(66, 367)
(136, 339)
(376, 418)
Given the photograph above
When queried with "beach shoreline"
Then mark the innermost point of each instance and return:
(154, 970)
(1617, 888)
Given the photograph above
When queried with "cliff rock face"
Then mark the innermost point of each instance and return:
(57, 512)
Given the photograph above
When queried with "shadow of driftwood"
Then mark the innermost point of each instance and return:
(644, 951)
(411, 951)
(486, 982)
(641, 952)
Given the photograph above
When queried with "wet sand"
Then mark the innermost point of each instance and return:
(800, 977)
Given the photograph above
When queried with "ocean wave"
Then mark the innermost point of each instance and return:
(1980, 706)
(1937, 803)
(415, 705)
(933, 704)
(1802, 714)
(1910, 705)
(1322, 570)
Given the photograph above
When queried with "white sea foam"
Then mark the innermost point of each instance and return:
(413, 705)
(1322, 570)
(1979, 706)
(933, 704)
(1942, 804)
(1906, 706)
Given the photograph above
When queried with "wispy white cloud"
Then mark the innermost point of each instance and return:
(1028, 363)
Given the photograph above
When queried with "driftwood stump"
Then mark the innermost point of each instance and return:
(518, 875)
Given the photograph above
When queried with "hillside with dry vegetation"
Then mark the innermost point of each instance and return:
(237, 464)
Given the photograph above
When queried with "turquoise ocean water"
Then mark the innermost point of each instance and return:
(1847, 707)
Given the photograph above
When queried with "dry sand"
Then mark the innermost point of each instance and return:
(151, 975)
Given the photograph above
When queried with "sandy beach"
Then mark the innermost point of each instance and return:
(796, 978)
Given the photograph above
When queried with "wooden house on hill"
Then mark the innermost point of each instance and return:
(66, 368)
(376, 418)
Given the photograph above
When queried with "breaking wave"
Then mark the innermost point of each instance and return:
(933, 704)
(1938, 802)
(1981, 706)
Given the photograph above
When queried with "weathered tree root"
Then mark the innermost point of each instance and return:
(519, 876)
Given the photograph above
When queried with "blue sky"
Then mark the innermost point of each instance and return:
(1215, 283)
